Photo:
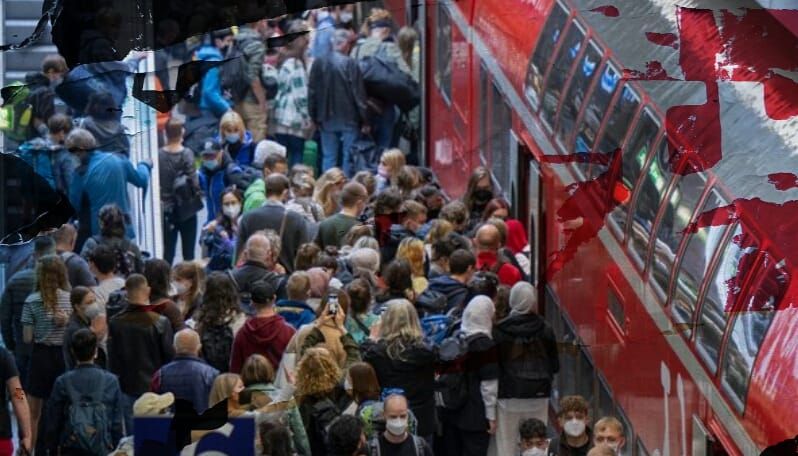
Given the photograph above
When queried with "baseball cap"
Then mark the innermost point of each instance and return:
(152, 404)
(210, 147)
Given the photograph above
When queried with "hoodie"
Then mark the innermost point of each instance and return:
(212, 98)
(528, 356)
(295, 313)
(267, 336)
(455, 292)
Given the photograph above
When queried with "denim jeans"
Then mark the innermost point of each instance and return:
(127, 411)
(333, 142)
(294, 145)
(384, 128)
(187, 229)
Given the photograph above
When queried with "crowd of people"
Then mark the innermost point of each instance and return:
(347, 309)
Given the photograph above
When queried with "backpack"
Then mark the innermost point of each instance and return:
(435, 328)
(16, 112)
(385, 81)
(418, 443)
(217, 344)
(186, 191)
(87, 423)
(431, 302)
(117, 301)
(452, 385)
(233, 73)
(39, 154)
(125, 257)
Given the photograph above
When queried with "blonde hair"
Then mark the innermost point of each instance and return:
(608, 422)
(438, 230)
(394, 160)
(324, 190)
(223, 387)
(400, 327)
(412, 251)
(231, 121)
(317, 373)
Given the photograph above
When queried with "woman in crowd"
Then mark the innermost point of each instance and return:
(391, 161)
(496, 208)
(478, 194)
(228, 386)
(360, 320)
(329, 330)
(112, 234)
(188, 279)
(292, 122)
(159, 277)
(219, 236)
(362, 386)
(398, 279)
(319, 393)
(44, 318)
(236, 139)
(402, 360)
(306, 256)
(364, 263)
(328, 187)
(86, 313)
(412, 251)
(220, 318)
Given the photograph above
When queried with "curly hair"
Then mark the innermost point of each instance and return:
(220, 301)
(112, 221)
(51, 276)
(317, 373)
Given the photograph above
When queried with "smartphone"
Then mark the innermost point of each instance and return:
(332, 304)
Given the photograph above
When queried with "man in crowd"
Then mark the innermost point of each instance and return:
(187, 376)
(85, 383)
(534, 438)
(455, 284)
(333, 229)
(576, 438)
(48, 157)
(346, 438)
(140, 342)
(102, 263)
(396, 440)
(252, 106)
(414, 216)
(42, 93)
(13, 391)
(258, 266)
(295, 309)
(487, 243)
(337, 101)
(255, 195)
(77, 268)
(608, 431)
(266, 333)
(290, 226)
(212, 101)
(19, 286)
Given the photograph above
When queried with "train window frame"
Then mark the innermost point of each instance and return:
(610, 66)
(564, 140)
(631, 125)
(443, 43)
(576, 56)
(530, 94)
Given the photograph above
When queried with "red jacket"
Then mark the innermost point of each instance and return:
(267, 336)
(508, 274)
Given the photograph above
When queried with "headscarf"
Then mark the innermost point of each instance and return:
(478, 316)
(523, 299)
(516, 236)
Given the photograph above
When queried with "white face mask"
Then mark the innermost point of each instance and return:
(232, 210)
(396, 426)
(615, 446)
(534, 451)
(345, 17)
(92, 310)
(574, 427)
(180, 288)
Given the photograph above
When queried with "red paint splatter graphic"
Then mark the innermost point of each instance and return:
(607, 10)
(663, 39)
(783, 181)
(654, 72)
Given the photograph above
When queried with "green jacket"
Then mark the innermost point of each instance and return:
(255, 195)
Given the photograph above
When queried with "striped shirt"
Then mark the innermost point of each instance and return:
(45, 329)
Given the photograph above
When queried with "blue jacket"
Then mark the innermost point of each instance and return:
(322, 44)
(104, 181)
(214, 181)
(455, 292)
(295, 313)
(245, 153)
(212, 98)
(86, 380)
(187, 377)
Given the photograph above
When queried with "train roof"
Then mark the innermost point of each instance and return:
(753, 144)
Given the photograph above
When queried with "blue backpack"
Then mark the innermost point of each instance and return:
(436, 328)
(39, 154)
(88, 423)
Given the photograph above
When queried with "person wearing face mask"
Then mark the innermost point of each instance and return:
(414, 217)
(218, 171)
(396, 440)
(219, 236)
(608, 431)
(479, 192)
(237, 141)
(534, 441)
(576, 437)
(48, 157)
(86, 313)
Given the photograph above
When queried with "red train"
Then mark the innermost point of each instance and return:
(669, 134)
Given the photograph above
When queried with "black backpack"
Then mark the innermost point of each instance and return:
(385, 81)
(126, 260)
(117, 301)
(217, 344)
(451, 386)
(233, 73)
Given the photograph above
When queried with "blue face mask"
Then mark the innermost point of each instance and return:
(209, 164)
(232, 138)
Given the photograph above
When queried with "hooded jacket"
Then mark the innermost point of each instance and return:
(413, 371)
(267, 336)
(211, 98)
(455, 292)
(527, 356)
(295, 313)
(109, 133)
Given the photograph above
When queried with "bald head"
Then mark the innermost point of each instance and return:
(187, 342)
(488, 237)
(258, 248)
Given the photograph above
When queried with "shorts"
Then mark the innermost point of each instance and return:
(46, 364)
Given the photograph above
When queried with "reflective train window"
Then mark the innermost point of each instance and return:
(443, 52)
(694, 267)
(752, 321)
(619, 122)
(577, 91)
(728, 277)
(500, 138)
(596, 108)
(649, 198)
(558, 75)
(634, 159)
(679, 210)
(549, 38)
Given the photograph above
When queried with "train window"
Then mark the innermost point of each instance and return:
(566, 56)
(715, 309)
(749, 329)
(634, 159)
(681, 204)
(693, 268)
(615, 307)
(500, 138)
(547, 43)
(443, 53)
(577, 91)
(649, 198)
(619, 122)
(596, 108)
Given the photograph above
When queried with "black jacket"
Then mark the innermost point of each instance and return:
(74, 324)
(19, 286)
(270, 216)
(336, 91)
(250, 272)
(559, 447)
(480, 365)
(455, 292)
(414, 372)
(527, 356)
(139, 343)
